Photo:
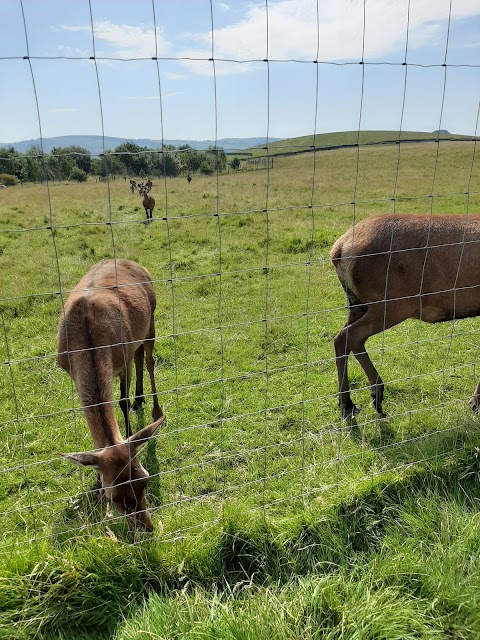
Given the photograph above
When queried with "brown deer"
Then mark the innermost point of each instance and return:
(106, 323)
(394, 267)
(147, 200)
(149, 184)
(133, 184)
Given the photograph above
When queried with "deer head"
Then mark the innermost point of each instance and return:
(123, 478)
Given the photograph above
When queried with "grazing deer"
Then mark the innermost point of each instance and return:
(133, 184)
(106, 323)
(147, 200)
(394, 267)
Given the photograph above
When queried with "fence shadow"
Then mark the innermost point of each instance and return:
(434, 444)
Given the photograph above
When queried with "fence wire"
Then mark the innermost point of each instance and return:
(250, 392)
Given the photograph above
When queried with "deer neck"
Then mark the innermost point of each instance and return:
(103, 425)
(93, 377)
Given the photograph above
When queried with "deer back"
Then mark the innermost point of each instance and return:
(104, 318)
(402, 258)
(109, 311)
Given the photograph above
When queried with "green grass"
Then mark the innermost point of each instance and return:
(241, 457)
(319, 140)
(399, 560)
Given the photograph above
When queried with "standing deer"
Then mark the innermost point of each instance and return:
(394, 267)
(107, 322)
(133, 184)
(147, 200)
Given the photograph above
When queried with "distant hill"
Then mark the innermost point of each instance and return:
(348, 138)
(245, 146)
(94, 144)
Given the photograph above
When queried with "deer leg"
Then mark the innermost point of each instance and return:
(355, 312)
(376, 382)
(347, 408)
(149, 343)
(374, 321)
(139, 397)
(475, 400)
(125, 379)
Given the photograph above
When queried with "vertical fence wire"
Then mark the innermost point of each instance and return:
(397, 172)
(266, 271)
(354, 203)
(220, 269)
(431, 207)
(308, 265)
(171, 283)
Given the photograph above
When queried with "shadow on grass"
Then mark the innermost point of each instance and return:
(150, 462)
(447, 440)
(411, 444)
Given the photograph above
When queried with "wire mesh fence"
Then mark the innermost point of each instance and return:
(248, 302)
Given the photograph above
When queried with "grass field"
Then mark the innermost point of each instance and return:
(275, 512)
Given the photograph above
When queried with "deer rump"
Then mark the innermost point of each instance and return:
(104, 322)
(394, 267)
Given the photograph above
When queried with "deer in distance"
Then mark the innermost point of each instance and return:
(148, 201)
(106, 324)
(393, 267)
(133, 184)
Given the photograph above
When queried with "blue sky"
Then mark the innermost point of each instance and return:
(246, 96)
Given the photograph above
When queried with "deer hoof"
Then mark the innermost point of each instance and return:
(137, 403)
(475, 404)
(349, 410)
(378, 409)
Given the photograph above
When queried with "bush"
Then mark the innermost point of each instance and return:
(8, 180)
(78, 174)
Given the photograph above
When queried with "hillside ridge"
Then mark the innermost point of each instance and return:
(96, 144)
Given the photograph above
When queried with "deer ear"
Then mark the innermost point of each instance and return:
(87, 459)
(140, 438)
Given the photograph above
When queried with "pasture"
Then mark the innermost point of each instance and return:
(254, 454)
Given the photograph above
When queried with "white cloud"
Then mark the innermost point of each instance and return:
(294, 30)
(155, 97)
(470, 45)
(168, 75)
(143, 97)
(123, 40)
(62, 110)
(198, 63)
(73, 52)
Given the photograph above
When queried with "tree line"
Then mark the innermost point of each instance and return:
(128, 159)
